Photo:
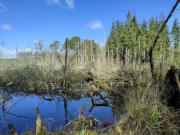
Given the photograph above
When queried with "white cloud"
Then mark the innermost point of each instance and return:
(70, 4)
(12, 53)
(36, 41)
(3, 7)
(29, 50)
(39, 42)
(102, 44)
(6, 27)
(95, 24)
(56, 1)
(7, 53)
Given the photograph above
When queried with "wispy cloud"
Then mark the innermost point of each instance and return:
(70, 4)
(53, 1)
(3, 7)
(12, 53)
(95, 24)
(7, 53)
(6, 27)
(36, 41)
(102, 44)
(29, 50)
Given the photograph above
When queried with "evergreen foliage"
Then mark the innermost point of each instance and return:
(133, 39)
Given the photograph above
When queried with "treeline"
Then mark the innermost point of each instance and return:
(127, 44)
(82, 51)
(129, 41)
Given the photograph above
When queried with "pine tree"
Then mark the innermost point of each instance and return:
(144, 38)
(134, 38)
(121, 41)
(54, 46)
(164, 41)
(111, 46)
(176, 37)
(130, 42)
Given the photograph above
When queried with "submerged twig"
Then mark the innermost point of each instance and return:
(21, 116)
(15, 104)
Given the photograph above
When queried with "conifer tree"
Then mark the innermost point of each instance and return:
(176, 37)
(130, 42)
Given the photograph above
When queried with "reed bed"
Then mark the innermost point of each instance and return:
(142, 108)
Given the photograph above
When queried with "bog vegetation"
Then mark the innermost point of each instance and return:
(120, 69)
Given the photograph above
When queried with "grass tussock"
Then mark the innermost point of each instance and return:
(84, 123)
(31, 78)
(141, 102)
(39, 79)
(146, 115)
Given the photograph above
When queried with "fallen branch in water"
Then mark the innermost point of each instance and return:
(21, 116)
(106, 103)
(14, 104)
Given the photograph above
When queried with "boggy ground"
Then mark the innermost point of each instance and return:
(144, 100)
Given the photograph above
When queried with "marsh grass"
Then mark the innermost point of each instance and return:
(144, 110)
(84, 123)
(146, 115)
(38, 75)
(30, 78)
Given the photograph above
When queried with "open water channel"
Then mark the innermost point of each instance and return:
(20, 111)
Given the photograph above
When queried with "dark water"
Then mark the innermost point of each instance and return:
(22, 115)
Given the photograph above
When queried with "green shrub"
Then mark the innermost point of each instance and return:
(148, 115)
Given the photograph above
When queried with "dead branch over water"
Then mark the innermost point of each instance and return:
(146, 102)
(156, 39)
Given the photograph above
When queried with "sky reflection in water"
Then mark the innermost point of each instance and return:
(51, 112)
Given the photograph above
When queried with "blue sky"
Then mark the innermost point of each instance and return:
(23, 22)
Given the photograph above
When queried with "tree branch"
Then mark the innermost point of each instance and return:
(155, 41)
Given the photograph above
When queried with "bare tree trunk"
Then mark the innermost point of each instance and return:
(76, 52)
(160, 54)
(78, 56)
(139, 53)
(117, 57)
(126, 58)
(144, 51)
(65, 66)
(171, 56)
(81, 55)
(97, 56)
(108, 56)
(103, 56)
(155, 41)
(135, 65)
(163, 51)
(91, 51)
(112, 58)
(84, 53)
(40, 127)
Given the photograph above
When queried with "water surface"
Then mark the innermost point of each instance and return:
(22, 115)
